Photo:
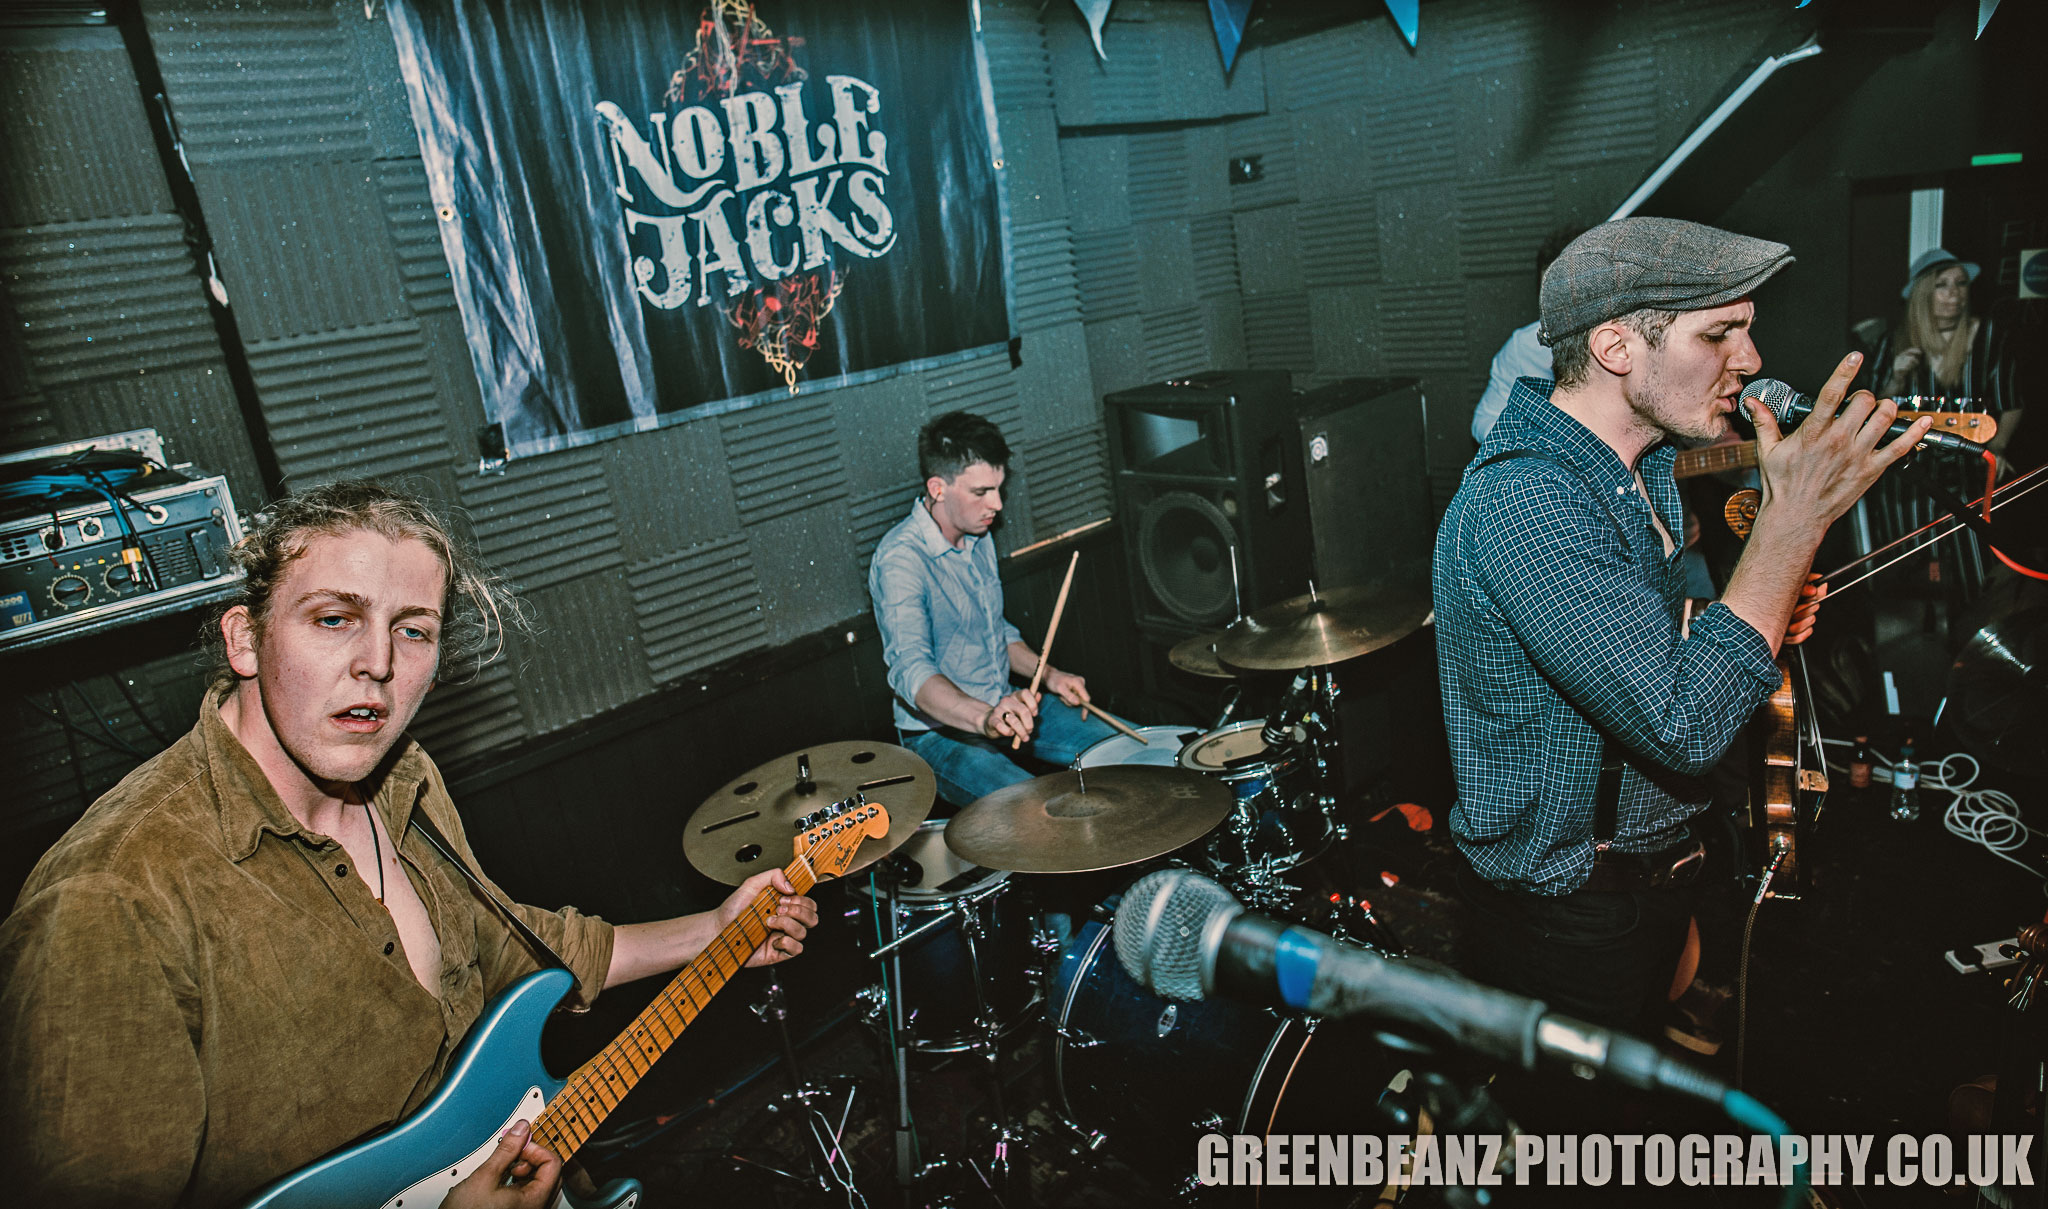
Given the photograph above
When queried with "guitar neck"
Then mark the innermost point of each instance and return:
(597, 1086)
(1713, 459)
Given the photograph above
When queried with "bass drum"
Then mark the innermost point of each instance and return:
(1154, 1076)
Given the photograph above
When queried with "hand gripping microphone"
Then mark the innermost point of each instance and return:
(1185, 937)
(1788, 405)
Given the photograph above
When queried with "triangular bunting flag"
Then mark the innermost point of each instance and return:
(1095, 12)
(1405, 16)
(1228, 16)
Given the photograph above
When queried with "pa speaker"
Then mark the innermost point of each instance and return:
(1205, 466)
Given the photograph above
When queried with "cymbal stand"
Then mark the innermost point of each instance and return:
(990, 1025)
(825, 1157)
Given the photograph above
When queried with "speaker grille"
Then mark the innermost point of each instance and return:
(1184, 546)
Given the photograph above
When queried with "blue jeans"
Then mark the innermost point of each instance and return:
(970, 767)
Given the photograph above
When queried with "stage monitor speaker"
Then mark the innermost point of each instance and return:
(1205, 465)
(1366, 475)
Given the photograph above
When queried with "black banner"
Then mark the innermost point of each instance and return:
(659, 210)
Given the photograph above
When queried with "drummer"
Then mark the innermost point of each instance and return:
(939, 604)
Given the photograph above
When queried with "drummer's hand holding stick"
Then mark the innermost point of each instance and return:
(1045, 653)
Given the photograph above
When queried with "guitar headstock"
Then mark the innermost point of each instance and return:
(828, 837)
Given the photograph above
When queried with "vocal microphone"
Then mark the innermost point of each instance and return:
(1788, 404)
(1185, 937)
(1279, 729)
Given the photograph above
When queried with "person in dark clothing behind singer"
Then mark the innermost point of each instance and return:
(1562, 634)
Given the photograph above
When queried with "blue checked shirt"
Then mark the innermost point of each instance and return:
(1557, 611)
(940, 610)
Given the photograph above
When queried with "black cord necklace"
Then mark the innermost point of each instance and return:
(376, 846)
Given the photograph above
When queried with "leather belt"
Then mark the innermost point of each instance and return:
(1677, 865)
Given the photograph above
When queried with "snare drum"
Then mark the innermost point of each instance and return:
(1279, 820)
(1154, 1076)
(1161, 746)
(971, 966)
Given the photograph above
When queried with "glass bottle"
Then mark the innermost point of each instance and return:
(1859, 763)
(1906, 786)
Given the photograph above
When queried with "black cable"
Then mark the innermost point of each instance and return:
(56, 711)
(102, 720)
(141, 715)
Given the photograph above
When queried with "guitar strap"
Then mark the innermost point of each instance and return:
(540, 949)
(1607, 789)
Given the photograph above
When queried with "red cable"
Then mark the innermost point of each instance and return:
(1990, 480)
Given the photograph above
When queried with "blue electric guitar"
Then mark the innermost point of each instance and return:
(497, 1077)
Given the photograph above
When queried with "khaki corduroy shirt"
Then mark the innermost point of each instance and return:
(198, 996)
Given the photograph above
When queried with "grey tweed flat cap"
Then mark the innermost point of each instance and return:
(1666, 263)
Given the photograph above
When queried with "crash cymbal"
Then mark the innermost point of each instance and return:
(1324, 628)
(750, 825)
(1090, 818)
(1197, 654)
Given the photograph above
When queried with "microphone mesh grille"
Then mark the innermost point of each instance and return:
(1159, 926)
(1773, 394)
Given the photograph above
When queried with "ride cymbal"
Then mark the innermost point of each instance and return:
(1322, 628)
(750, 824)
(1087, 819)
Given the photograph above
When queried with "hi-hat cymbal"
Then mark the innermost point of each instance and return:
(750, 825)
(1090, 818)
(1323, 628)
(1197, 654)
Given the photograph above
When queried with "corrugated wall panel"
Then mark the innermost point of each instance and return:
(1054, 380)
(807, 583)
(1048, 289)
(697, 606)
(1032, 172)
(70, 130)
(1159, 174)
(874, 514)
(1095, 171)
(1069, 475)
(1345, 323)
(1019, 68)
(106, 296)
(1268, 140)
(357, 402)
(782, 457)
(1487, 37)
(249, 82)
(1501, 221)
(1214, 239)
(1324, 67)
(546, 519)
(1414, 135)
(1269, 251)
(1605, 110)
(985, 386)
(671, 488)
(1340, 241)
(287, 272)
(1176, 343)
(878, 423)
(416, 233)
(586, 658)
(1106, 265)
(1276, 333)
(1422, 327)
(461, 720)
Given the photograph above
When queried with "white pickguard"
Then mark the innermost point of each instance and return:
(427, 1193)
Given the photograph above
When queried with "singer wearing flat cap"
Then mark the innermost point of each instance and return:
(1583, 705)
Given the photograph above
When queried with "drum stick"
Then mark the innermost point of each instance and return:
(1088, 707)
(1045, 652)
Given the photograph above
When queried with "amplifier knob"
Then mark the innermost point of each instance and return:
(70, 591)
(119, 577)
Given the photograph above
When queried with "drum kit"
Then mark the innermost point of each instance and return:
(973, 919)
